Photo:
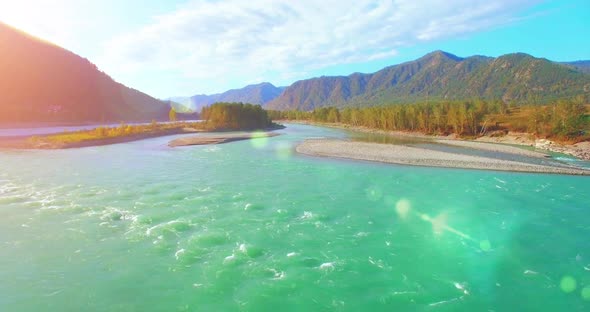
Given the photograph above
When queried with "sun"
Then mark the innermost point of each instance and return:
(41, 19)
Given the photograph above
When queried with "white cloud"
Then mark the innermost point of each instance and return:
(209, 41)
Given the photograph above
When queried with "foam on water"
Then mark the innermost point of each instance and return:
(255, 228)
(306, 215)
(229, 258)
(328, 266)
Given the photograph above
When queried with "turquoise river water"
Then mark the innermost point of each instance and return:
(252, 226)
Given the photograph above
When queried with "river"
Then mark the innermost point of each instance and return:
(252, 226)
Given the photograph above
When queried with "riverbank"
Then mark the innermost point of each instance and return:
(579, 150)
(406, 155)
(113, 135)
(493, 147)
(41, 142)
(511, 140)
(219, 138)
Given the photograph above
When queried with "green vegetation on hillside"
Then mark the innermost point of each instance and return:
(565, 120)
(515, 78)
(235, 116)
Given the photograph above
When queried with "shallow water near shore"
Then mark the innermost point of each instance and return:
(554, 159)
(252, 226)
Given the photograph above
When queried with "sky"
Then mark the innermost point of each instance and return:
(187, 47)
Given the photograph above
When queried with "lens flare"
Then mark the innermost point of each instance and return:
(374, 193)
(485, 245)
(439, 223)
(402, 207)
(586, 293)
(283, 150)
(568, 284)
(259, 139)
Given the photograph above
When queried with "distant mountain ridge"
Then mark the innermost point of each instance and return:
(583, 66)
(261, 94)
(439, 75)
(41, 82)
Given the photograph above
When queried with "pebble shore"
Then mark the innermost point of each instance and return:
(406, 155)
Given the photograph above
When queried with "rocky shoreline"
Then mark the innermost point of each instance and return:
(579, 150)
(415, 156)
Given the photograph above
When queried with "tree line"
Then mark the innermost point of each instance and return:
(235, 116)
(565, 118)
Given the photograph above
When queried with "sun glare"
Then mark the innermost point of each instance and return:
(47, 21)
(205, 155)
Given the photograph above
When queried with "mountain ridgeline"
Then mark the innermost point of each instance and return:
(583, 66)
(41, 82)
(260, 94)
(514, 78)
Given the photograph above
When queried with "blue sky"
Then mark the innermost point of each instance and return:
(176, 48)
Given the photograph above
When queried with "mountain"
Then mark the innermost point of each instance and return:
(439, 75)
(261, 93)
(583, 66)
(41, 82)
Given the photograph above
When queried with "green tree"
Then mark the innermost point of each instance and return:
(568, 117)
(172, 114)
(236, 116)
